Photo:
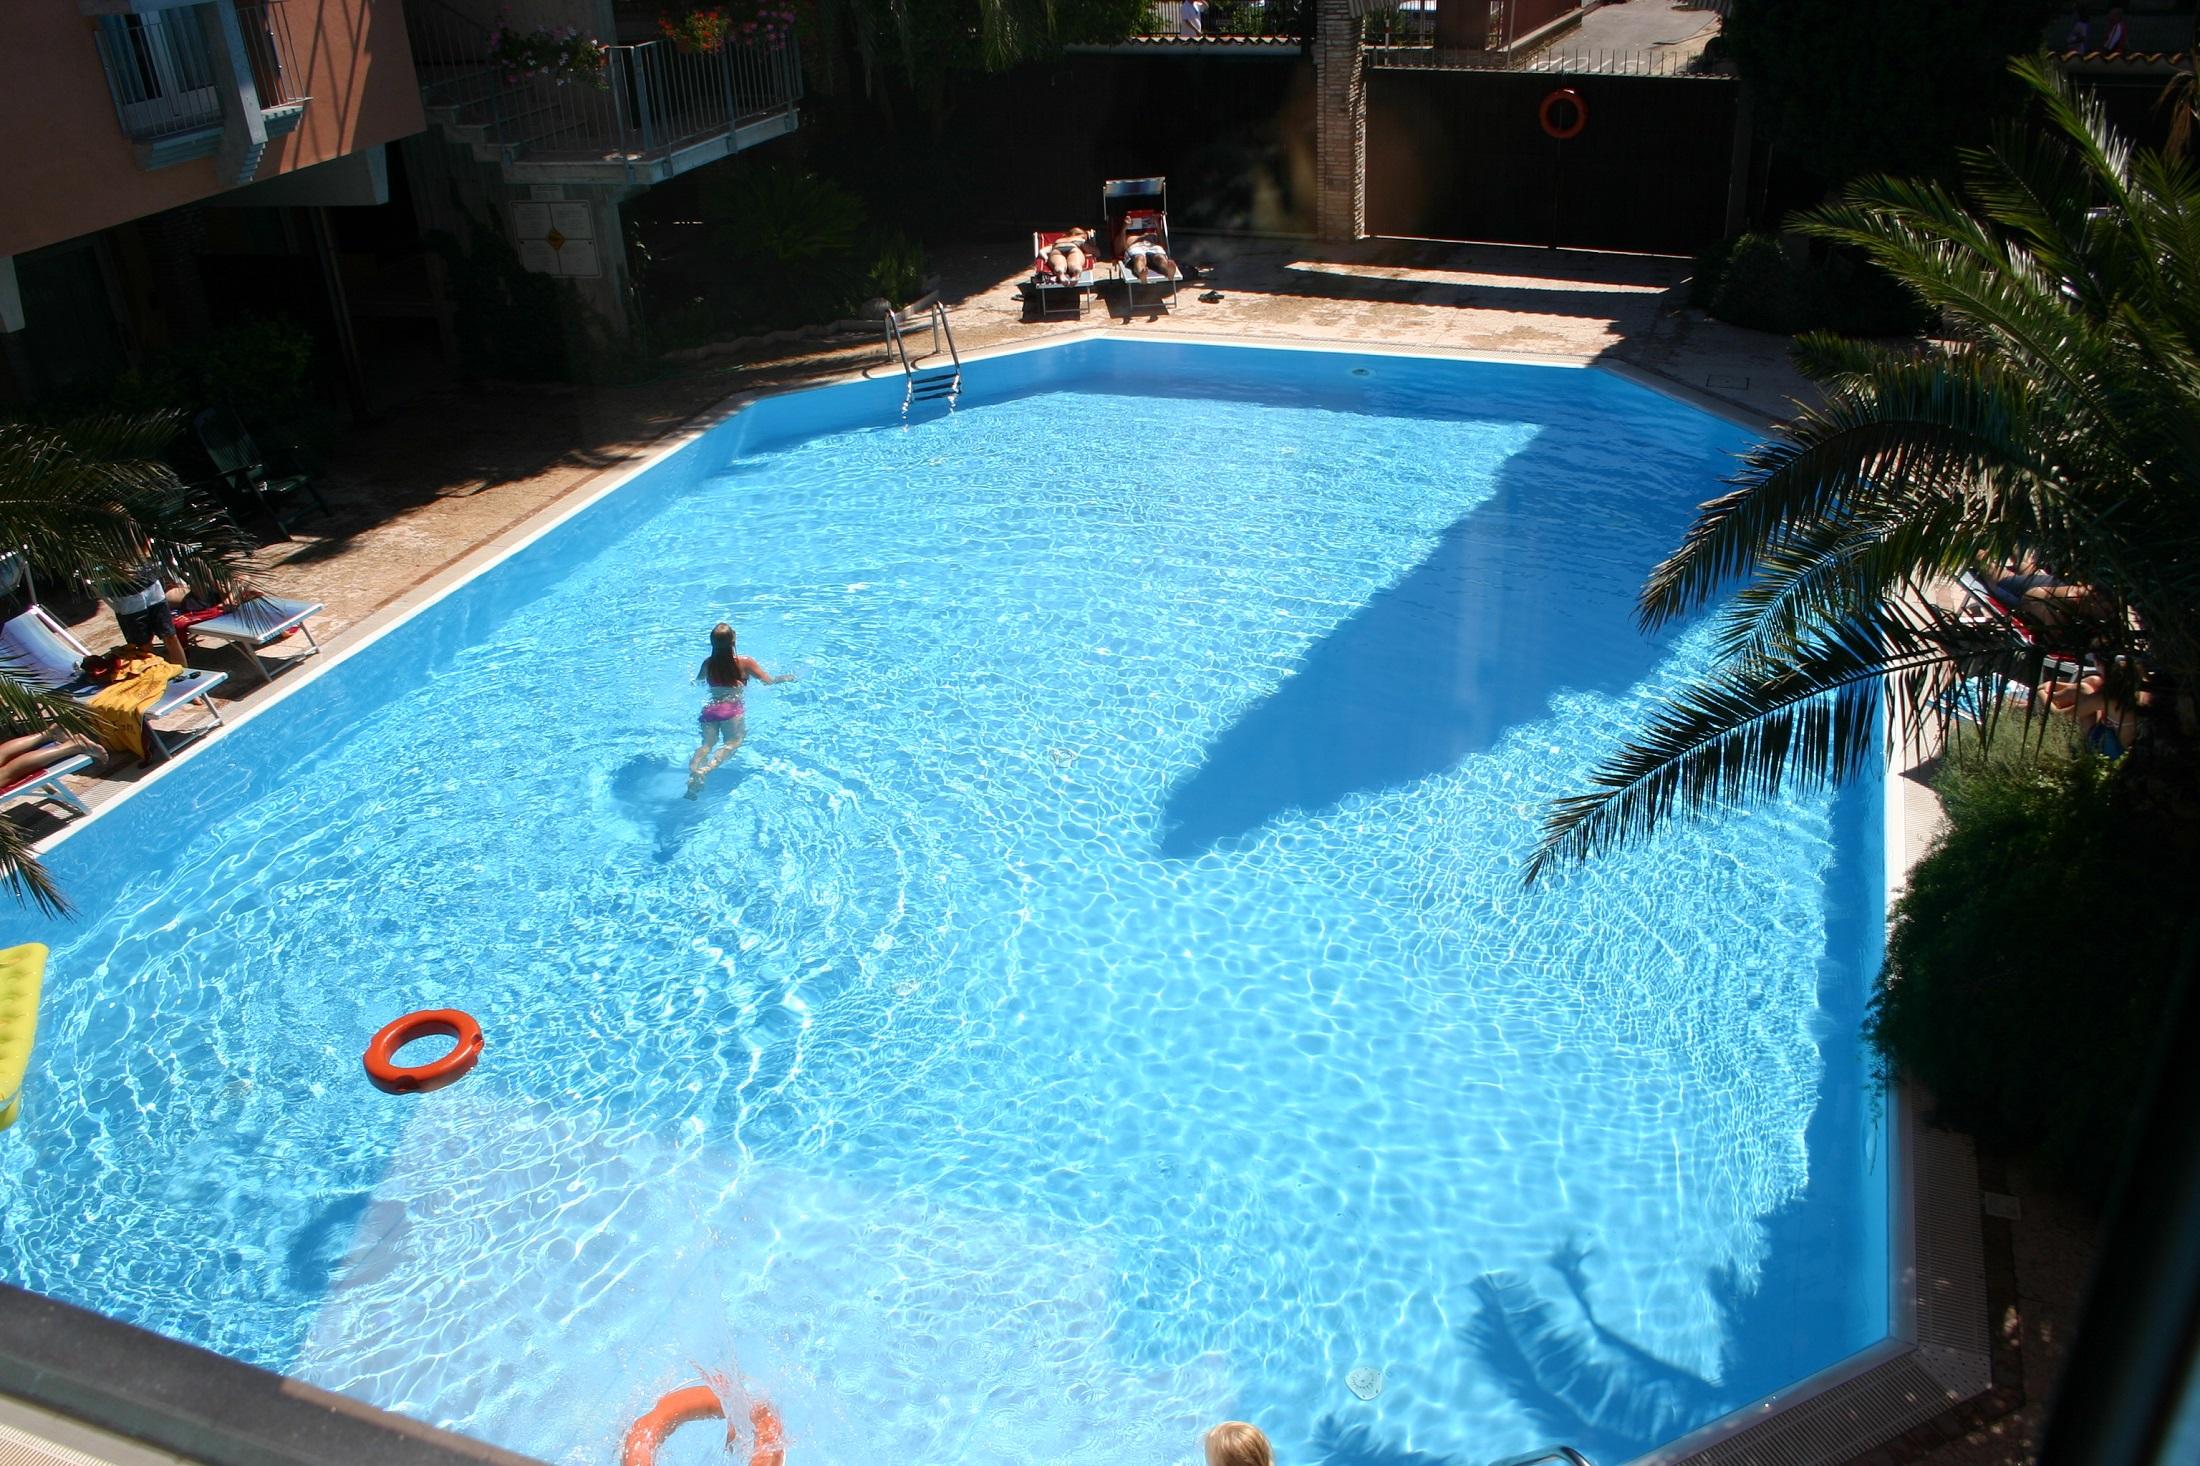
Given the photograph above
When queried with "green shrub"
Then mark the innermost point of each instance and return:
(899, 273)
(1751, 281)
(1857, 298)
(262, 367)
(2030, 957)
(1761, 288)
(788, 239)
(1709, 271)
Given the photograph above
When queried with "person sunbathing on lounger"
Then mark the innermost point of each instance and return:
(1144, 257)
(2044, 600)
(2109, 724)
(24, 756)
(1067, 256)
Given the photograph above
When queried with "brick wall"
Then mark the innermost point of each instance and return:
(1340, 127)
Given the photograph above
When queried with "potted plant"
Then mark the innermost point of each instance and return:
(562, 55)
(697, 31)
(771, 24)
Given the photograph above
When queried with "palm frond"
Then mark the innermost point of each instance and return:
(1838, 568)
(1913, 429)
(1811, 721)
(22, 708)
(2062, 421)
(31, 883)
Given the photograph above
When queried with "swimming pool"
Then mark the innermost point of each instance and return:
(1100, 1000)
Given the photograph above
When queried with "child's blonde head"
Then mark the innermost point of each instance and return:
(1234, 1443)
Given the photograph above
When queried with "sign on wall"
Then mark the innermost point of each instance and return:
(557, 237)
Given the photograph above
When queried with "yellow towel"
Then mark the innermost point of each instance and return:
(118, 709)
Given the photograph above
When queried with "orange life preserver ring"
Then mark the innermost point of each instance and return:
(393, 1078)
(698, 1402)
(1571, 129)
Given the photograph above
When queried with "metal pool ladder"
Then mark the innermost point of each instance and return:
(934, 384)
(1566, 1455)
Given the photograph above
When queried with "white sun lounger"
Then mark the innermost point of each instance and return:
(258, 623)
(40, 653)
(46, 784)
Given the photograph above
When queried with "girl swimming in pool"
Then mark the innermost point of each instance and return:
(725, 674)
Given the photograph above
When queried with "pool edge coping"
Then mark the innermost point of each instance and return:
(1709, 1444)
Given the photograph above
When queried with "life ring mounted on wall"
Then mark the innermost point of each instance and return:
(1571, 129)
(393, 1078)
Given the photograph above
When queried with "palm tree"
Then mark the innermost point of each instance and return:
(2060, 416)
(82, 501)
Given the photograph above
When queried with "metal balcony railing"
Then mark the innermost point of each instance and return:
(649, 100)
(1382, 22)
(1560, 59)
(267, 50)
(161, 66)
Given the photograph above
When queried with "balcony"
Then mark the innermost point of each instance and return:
(195, 80)
(654, 111)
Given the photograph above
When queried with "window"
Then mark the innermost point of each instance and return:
(160, 70)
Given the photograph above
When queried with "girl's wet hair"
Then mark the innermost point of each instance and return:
(1235, 1443)
(721, 669)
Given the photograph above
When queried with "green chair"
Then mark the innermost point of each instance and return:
(244, 471)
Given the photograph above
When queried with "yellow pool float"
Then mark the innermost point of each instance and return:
(21, 969)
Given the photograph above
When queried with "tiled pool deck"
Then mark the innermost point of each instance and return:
(443, 479)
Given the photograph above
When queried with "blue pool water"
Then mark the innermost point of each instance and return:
(1099, 1001)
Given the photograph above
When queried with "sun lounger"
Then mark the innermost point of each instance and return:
(1048, 282)
(39, 652)
(255, 625)
(1139, 207)
(46, 783)
(1981, 602)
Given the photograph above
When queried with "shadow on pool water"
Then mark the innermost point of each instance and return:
(651, 792)
(1437, 666)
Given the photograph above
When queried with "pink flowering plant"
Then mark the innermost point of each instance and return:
(562, 55)
(766, 23)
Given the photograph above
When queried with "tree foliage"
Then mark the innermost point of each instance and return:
(2031, 956)
(916, 46)
(85, 500)
(1851, 87)
(2062, 419)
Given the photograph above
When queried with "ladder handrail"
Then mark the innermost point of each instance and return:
(934, 314)
(939, 324)
(1565, 1454)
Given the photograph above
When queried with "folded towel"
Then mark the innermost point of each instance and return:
(119, 708)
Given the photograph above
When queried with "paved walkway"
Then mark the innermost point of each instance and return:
(1625, 25)
(443, 477)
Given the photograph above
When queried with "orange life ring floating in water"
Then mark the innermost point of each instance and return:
(393, 1078)
(699, 1402)
(1571, 129)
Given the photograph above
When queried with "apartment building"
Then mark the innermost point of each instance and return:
(145, 135)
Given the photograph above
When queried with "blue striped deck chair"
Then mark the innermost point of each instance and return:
(254, 626)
